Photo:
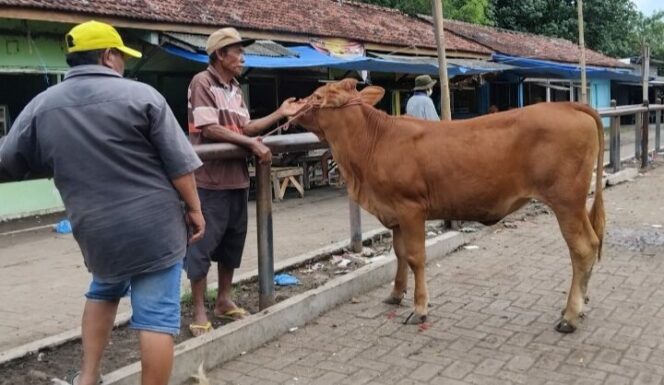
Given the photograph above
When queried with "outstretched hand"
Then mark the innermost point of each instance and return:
(290, 107)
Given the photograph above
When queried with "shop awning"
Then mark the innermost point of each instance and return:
(307, 57)
(544, 68)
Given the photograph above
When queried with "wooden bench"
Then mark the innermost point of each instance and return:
(282, 178)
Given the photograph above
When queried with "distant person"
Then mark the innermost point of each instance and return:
(492, 109)
(420, 104)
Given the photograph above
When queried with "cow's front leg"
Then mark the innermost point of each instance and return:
(413, 236)
(401, 277)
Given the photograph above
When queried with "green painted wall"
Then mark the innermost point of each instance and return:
(33, 197)
(19, 52)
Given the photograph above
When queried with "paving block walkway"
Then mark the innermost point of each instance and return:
(492, 315)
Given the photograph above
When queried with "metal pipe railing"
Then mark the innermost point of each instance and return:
(276, 144)
(641, 130)
(266, 296)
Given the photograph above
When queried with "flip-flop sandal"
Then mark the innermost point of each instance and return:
(199, 330)
(235, 314)
(73, 375)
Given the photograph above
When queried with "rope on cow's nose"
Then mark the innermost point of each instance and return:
(308, 107)
(303, 110)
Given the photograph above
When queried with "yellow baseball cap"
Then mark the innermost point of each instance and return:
(94, 35)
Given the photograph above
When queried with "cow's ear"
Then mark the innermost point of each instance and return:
(372, 95)
(348, 84)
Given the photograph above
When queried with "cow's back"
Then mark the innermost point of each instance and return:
(483, 168)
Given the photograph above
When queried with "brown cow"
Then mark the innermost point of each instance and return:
(405, 171)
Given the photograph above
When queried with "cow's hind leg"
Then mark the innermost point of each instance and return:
(583, 245)
(412, 234)
(401, 278)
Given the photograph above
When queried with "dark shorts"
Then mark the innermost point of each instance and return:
(225, 213)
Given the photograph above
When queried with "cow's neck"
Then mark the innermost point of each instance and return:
(352, 139)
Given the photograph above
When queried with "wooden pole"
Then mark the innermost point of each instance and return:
(645, 70)
(445, 108)
(582, 47)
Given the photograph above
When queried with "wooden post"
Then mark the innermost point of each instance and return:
(446, 110)
(445, 107)
(582, 47)
(658, 123)
(645, 70)
(645, 128)
(614, 142)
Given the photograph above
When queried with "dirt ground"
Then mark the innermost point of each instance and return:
(40, 368)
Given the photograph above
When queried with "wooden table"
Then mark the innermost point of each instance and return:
(282, 178)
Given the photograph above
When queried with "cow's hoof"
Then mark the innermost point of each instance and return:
(392, 300)
(415, 319)
(564, 326)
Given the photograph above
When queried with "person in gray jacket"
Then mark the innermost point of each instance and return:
(420, 104)
(123, 166)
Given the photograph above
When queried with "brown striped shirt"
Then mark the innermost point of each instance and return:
(211, 101)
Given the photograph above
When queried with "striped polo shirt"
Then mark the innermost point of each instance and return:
(211, 101)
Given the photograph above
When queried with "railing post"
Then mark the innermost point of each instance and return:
(658, 124)
(265, 240)
(355, 227)
(638, 123)
(645, 131)
(614, 141)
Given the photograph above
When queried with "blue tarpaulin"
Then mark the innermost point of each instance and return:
(308, 57)
(544, 68)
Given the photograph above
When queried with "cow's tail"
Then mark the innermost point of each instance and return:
(597, 217)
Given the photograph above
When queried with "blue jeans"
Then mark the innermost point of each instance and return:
(155, 298)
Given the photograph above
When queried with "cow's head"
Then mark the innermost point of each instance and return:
(334, 96)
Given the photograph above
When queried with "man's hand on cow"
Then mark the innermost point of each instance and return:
(196, 224)
(261, 151)
(290, 107)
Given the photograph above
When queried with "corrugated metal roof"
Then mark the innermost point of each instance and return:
(467, 63)
(196, 42)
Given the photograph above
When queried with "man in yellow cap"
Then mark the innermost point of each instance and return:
(123, 166)
(217, 113)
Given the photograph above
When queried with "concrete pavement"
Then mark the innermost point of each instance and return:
(43, 279)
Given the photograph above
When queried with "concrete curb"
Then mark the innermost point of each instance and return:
(624, 175)
(226, 343)
(123, 318)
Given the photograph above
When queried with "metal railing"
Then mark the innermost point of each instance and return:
(277, 144)
(643, 113)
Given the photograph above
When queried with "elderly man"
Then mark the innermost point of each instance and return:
(217, 113)
(420, 104)
(122, 165)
